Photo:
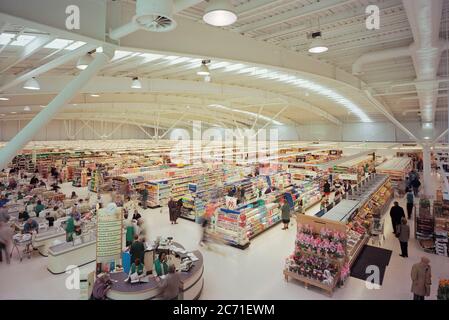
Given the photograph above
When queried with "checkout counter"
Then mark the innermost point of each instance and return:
(78, 253)
(44, 239)
(191, 281)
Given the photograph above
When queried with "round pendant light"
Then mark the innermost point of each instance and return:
(136, 84)
(32, 84)
(219, 13)
(317, 45)
(204, 70)
(84, 61)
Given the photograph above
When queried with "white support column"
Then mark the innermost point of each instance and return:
(427, 177)
(8, 152)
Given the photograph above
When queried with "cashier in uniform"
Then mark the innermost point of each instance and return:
(70, 229)
(137, 267)
(160, 264)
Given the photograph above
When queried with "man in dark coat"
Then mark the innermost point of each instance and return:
(396, 214)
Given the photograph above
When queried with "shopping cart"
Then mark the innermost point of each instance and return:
(22, 243)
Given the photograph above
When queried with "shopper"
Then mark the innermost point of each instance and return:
(51, 216)
(285, 214)
(172, 210)
(101, 287)
(55, 187)
(403, 234)
(30, 226)
(170, 285)
(6, 234)
(415, 185)
(4, 215)
(144, 193)
(179, 205)
(347, 186)
(136, 215)
(34, 181)
(421, 279)
(410, 202)
(327, 188)
(396, 214)
(24, 216)
(137, 249)
(160, 264)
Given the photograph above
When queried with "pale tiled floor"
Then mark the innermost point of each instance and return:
(254, 273)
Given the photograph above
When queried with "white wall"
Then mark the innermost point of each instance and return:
(381, 132)
(56, 130)
(370, 132)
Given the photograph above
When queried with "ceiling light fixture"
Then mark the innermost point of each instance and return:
(27, 108)
(426, 138)
(219, 13)
(95, 95)
(317, 45)
(84, 61)
(32, 84)
(204, 69)
(136, 84)
(4, 99)
(13, 112)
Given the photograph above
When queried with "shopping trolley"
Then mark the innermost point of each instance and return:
(24, 242)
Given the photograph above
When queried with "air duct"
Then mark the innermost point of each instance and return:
(378, 56)
(424, 17)
(153, 15)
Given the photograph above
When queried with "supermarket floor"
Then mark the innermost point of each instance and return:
(254, 273)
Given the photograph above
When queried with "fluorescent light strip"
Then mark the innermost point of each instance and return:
(332, 95)
(252, 114)
(58, 44)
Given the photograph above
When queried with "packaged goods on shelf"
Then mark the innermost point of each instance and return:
(250, 219)
(353, 169)
(96, 181)
(79, 178)
(397, 169)
(158, 193)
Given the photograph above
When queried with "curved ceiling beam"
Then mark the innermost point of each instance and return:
(221, 43)
(53, 84)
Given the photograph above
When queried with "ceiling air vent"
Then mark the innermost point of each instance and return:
(155, 15)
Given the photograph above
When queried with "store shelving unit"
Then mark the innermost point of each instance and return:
(397, 169)
(352, 169)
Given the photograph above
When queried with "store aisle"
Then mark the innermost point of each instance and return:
(254, 273)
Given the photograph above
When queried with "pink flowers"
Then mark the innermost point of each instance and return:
(326, 243)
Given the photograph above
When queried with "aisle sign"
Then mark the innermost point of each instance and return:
(192, 187)
(109, 234)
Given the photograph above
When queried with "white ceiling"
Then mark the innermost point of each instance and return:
(240, 94)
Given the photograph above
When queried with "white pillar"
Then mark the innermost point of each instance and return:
(9, 151)
(427, 177)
